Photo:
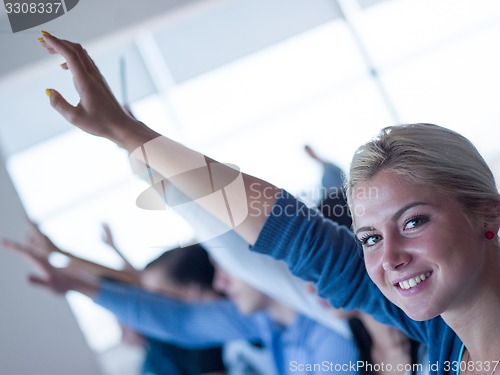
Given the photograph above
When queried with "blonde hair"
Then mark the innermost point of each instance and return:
(432, 156)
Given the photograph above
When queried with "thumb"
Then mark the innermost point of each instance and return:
(60, 104)
(37, 280)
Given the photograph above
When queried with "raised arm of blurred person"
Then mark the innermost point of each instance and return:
(63, 280)
(332, 176)
(290, 338)
(57, 280)
(108, 239)
(42, 246)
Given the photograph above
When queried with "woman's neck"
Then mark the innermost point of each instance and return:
(477, 323)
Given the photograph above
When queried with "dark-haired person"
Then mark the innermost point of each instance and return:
(186, 274)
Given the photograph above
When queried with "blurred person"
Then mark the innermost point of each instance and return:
(296, 344)
(185, 274)
(332, 176)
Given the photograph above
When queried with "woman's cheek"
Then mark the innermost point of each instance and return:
(374, 268)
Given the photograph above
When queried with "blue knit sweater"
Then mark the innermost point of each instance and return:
(327, 254)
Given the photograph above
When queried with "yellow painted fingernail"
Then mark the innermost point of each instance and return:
(46, 33)
(48, 92)
(40, 39)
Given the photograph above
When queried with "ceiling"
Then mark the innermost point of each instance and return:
(92, 20)
(204, 34)
(89, 20)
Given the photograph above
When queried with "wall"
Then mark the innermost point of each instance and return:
(38, 332)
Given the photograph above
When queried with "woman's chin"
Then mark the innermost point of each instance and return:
(419, 315)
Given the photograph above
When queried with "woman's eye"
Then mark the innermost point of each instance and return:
(415, 222)
(370, 239)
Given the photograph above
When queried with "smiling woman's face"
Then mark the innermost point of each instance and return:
(419, 247)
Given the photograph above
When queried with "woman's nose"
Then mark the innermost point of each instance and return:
(394, 253)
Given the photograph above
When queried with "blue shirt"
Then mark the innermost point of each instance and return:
(327, 254)
(302, 346)
(162, 358)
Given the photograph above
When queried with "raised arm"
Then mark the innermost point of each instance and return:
(57, 280)
(239, 200)
(39, 247)
(194, 324)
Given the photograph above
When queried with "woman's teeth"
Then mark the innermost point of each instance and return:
(410, 283)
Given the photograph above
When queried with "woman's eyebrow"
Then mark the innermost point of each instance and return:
(395, 217)
(365, 229)
(402, 210)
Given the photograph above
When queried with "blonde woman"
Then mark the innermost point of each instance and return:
(426, 215)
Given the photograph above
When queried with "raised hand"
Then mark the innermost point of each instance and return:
(40, 247)
(108, 239)
(40, 243)
(309, 150)
(98, 111)
(58, 280)
(107, 236)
